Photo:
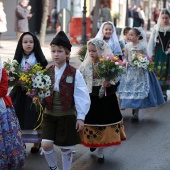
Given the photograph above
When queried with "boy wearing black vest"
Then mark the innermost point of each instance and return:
(61, 125)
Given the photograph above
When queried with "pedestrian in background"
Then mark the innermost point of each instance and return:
(159, 50)
(22, 14)
(61, 125)
(156, 15)
(54, 18)
(105, 13)
(104, 122)
(12, 150)
(139, 87)
(141, 17)
(130, 16)
(3, 22)
(28, 53)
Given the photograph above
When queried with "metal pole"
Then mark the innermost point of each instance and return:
(149, 15)
(127, 5)
(83, 41)
(164, 3)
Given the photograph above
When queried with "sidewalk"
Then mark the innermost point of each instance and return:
(9, 46)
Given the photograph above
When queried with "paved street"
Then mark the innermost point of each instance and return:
(148, 142)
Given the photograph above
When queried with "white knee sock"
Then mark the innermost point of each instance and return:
(67, 159)
(51, 158)
(100, 153)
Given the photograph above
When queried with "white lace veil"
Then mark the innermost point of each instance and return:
(86, 66)
(113, 41)
(155, 33)
(2, 103)
(142, 34)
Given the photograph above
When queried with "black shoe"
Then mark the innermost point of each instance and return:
(133, 112)
(92, 149)
(135, 119)
(165, 97)
(35, 149)
(100, 160)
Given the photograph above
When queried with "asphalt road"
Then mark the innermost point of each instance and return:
(147, 146)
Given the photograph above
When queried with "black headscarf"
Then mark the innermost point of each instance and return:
(37, 50)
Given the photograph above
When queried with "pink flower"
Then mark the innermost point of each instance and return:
(11, 78)
(12, 69)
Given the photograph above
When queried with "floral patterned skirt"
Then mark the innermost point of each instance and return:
(103, 136)
(12, 150)
(162, 68)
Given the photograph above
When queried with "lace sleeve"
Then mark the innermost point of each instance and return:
(126, 53)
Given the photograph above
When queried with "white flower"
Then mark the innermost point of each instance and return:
(38, 73)
(40, 85)
(145, 59)
(47, 93)
(139, 65)
(14, 62)
(35, 85)
(37, 79)
(116, 63)
(144, 66)
(141, 59)
(120, 67)
(41, 94)
(46, 77)
(136, 62)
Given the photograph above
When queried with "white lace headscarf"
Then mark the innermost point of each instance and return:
(113, 41)
(142, 34)
(86, 66)
(2, 103)
(155, 33)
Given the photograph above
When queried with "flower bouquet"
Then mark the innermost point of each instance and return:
(13, 69)
(109, 68)
(37, 83)
(82, 52)
(143, 61)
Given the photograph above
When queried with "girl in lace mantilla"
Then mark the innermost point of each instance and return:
(159, 49)
(103, 123)
(138, 88)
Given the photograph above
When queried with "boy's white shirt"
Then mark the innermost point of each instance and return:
(81, 94)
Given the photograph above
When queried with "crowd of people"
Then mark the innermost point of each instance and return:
(75, 113)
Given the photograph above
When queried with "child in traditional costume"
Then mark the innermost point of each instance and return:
(65, 108)
(104, 122)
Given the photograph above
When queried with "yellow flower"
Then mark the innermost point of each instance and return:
(159, 67)
(164, 67)
(115, 58)
(101, 59)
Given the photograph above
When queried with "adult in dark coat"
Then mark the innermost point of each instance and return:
(22, 14)
(25, 110)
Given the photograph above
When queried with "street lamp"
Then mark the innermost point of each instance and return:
(83, 40)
